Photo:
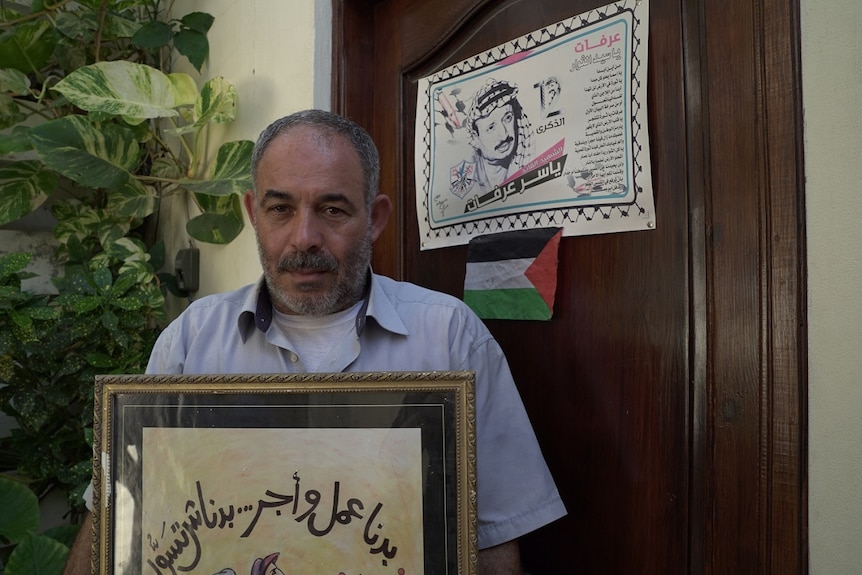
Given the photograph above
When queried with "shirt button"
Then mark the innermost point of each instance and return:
(294, 358)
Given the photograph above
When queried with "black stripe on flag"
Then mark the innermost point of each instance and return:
(509, 245)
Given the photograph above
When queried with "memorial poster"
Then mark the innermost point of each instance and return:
(549, 129)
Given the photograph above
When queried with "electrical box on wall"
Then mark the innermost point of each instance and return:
(187, 267)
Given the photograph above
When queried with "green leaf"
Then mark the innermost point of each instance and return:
(37, 555)
(14, 82)
(134, 91)
(43, 313)
(76, 26)
(10, 114)
(193, 45)
(24, 186)
(16, 141)
(152, 35)
(101, 360)
(127, 303)
(11, 264)
(119, 27)
(19, 510)
(198, 21)
(132, 200)
(125, 282)
(103, 279)
(218, 227)
(231, 173)
(79, 303)
(157, 255)
(110, 320)
(27, 47)
(99, 157)
(65, 534)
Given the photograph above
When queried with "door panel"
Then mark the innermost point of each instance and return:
(666, 391)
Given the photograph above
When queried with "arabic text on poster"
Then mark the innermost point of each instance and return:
(549, 129)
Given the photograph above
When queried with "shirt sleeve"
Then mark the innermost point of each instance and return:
(516, 492)
(166, 358)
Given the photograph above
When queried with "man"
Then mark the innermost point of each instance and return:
(500, 133)
(316, 211)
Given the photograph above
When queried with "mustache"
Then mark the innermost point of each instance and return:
(499, 147)
(304, 261)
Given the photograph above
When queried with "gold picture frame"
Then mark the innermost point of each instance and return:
(332, 473)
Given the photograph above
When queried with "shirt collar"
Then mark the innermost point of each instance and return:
(257, 309)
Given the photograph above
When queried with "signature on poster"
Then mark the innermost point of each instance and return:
(184, 550)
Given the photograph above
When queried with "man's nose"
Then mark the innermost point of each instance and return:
(307, 231)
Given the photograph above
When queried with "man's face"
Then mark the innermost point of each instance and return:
(314, 233)
(497, 134)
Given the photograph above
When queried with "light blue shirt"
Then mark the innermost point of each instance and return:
(403, 327)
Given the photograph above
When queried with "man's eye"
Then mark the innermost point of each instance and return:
(333, 211)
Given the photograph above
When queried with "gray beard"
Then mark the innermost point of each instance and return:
(347, 290)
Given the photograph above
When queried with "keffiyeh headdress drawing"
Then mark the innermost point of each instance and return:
(488, 98)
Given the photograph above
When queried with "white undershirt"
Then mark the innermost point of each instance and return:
(315, 337)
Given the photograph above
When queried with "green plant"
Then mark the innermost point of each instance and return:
(96, 125)
(23, 550)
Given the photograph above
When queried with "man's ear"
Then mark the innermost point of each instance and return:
(381, 207)
(248, 200)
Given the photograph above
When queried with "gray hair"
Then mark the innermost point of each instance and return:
(326, 123)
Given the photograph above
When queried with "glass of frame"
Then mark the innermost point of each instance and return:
(335, 474)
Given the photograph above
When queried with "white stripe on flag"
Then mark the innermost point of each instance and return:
(501, 274)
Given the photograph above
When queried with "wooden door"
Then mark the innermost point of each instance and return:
(668, 391)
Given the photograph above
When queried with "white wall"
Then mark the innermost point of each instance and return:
(832, 82)
(277, 54)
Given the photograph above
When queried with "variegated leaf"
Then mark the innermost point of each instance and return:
(133, 200)
(108, 234)
(134, 91)
(216, 103)
(142, 272)
(128, 249)
(99, 157)
(73, 219)
(231, 173)
(24, 186)
(185, 89)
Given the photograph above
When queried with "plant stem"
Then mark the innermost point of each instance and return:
(35, 15)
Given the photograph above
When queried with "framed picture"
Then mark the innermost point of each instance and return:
(335, 474)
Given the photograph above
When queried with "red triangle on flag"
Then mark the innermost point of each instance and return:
(542, 273)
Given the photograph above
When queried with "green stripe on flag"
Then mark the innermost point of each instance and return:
(524, 303)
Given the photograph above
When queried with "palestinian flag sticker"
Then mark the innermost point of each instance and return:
(513, 275)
